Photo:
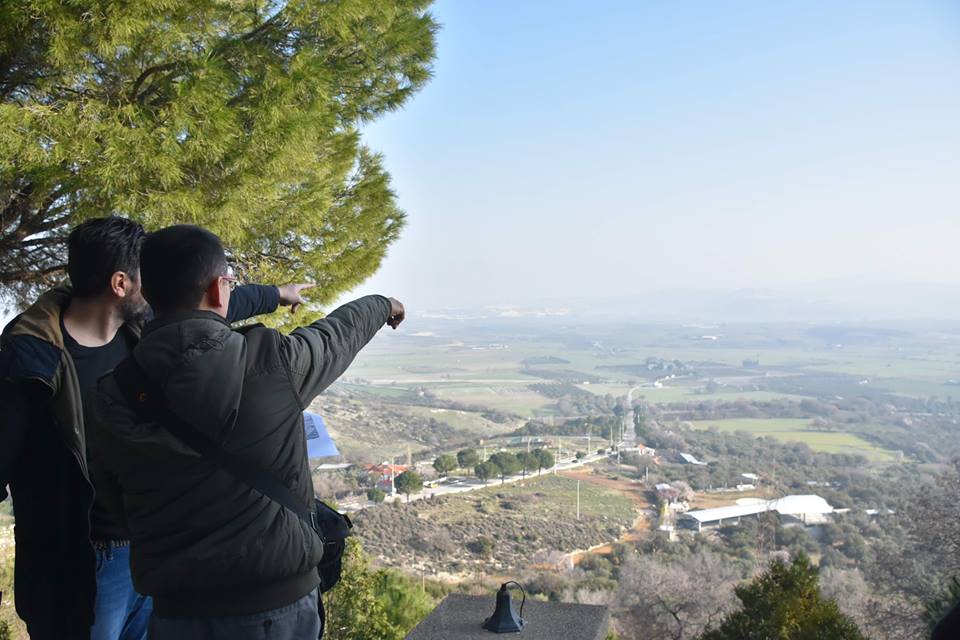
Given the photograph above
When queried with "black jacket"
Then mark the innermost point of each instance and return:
(203, 542)
(43, 459)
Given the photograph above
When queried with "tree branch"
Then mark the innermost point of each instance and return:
(170, 66)
(149, 71)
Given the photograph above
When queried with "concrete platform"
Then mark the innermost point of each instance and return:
(461, 617)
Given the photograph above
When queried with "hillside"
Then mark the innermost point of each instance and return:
(498, 529)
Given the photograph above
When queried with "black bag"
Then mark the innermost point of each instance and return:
(332, 527)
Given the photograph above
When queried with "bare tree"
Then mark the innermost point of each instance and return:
(938, 504)
(905, 582)
(881, 618)
(677, 599)
(685, 492)
(850, 591)
(328, 485)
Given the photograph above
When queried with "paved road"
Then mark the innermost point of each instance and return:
(466, 484)
(629, 434)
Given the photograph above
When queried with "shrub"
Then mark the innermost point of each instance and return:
(483, 546)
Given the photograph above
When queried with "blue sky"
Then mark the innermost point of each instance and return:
(613, 148)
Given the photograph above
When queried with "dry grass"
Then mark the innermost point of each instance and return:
(8, 614)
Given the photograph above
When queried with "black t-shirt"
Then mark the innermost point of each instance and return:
(91, 364)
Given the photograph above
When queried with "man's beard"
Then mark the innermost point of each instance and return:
(134, 311)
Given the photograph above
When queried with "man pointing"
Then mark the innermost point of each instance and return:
(219, 558)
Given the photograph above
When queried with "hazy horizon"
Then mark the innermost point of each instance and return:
(569, 151)
(881, 304)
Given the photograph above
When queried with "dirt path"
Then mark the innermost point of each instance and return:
(633, 490)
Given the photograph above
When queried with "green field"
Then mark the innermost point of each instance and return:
(691, 393)
(559, 498)
(374, 390)
(513, 398)
(549, 498)
(495, 380)
(798, 430)
(493, 368)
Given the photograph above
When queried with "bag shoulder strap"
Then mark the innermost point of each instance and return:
(146, 397)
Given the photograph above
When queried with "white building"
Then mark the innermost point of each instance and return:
(640, 450)
(691, 459)
(808, 509)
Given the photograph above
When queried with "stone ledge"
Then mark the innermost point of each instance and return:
(461, 617)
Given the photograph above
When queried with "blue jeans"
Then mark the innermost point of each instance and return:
(299, 620)
(121, 613)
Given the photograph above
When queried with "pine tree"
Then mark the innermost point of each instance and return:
(445, 464)
(544, 459)
(506, 464)
(485, 470)
(468, 458)
(353, 609)
(239, 116)
(408, 482)
(785, 603)
(407, 601)
(528, 462)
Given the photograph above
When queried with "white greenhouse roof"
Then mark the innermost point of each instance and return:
(788, 505)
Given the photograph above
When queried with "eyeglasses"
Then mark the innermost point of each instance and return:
(231, 278)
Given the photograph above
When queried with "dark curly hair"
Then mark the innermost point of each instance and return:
(98, 248)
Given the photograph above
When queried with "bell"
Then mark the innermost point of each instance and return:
(504, 618)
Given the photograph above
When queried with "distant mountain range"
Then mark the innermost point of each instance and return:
(862, 299)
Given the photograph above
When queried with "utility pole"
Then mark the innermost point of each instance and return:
(393, 478)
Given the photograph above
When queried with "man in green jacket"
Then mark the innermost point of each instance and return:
(72, 572)
(220, 559)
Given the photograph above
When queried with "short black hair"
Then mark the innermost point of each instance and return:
(98, 248)
(177, 265)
